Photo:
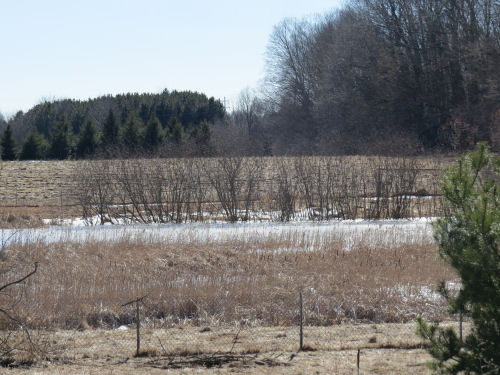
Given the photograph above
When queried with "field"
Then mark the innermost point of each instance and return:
(256, 352)
(319, 187)
(218, 294)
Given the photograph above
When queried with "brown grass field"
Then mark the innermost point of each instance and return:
(390, 349)
(245, 293)
(213, 306)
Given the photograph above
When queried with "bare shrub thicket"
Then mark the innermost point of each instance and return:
(316, 182)
(405, 173)
(392, 189)
(178, 190)
(95, 189)
(236, 182)
(199, 191)
(242, 189)
(348, 184)
(132, 178)
(283, 190)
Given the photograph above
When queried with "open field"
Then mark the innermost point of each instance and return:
(35, 183)
(229, 289)
(384, 349)
(356, 272)
(218, 294)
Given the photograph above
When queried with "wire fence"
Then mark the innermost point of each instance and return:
(186, 342)
(298, 333)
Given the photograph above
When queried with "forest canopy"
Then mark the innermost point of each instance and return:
(388, 74)
(122, 124)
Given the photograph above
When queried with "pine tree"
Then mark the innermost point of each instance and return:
(8, 145)
(201, 135)
(144, 113)
(110, 130)
(153, 136)
(61, 146)
(35, 147)
(87, 143)
(132, 132)
(177, 132)
(469, 240)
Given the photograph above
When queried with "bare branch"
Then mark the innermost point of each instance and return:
(20, 280)
(136, 300)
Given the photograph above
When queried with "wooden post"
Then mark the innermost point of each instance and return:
(461, 319)
(301, 316)
(357, 362)
(138, 320)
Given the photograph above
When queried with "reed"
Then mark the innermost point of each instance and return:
(217, 281)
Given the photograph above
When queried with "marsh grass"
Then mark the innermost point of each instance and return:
(218, 282)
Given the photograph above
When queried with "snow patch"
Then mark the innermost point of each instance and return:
(310, 235)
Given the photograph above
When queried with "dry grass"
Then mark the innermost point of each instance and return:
(225, 282)
(230, 305)
(257, 351)
(35, 183)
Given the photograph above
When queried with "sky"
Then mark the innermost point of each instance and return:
(55, 49)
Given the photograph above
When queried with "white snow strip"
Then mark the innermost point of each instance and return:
(309, 235)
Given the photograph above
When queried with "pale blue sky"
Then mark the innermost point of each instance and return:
(55, 49)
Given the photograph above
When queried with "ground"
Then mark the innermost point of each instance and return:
(383, 349)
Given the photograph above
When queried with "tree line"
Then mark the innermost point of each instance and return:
(375, 77)
(122, 124)
(382, 76)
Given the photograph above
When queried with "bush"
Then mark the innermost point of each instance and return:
(469, 240)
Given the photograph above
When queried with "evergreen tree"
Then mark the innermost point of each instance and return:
(153, 136)
(35, 147)
(201, 136)
(469, 240)
(204, 134)
(177, 133)
(87, 143)
(215, 110)
(132, 132)
(187, 116)
(110, 130)
(61, 146)
(144, 113)
(8, 145)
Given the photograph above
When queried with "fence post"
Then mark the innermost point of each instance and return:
(138, 320)
(301, 316)
(461, 319)
(357, 359)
